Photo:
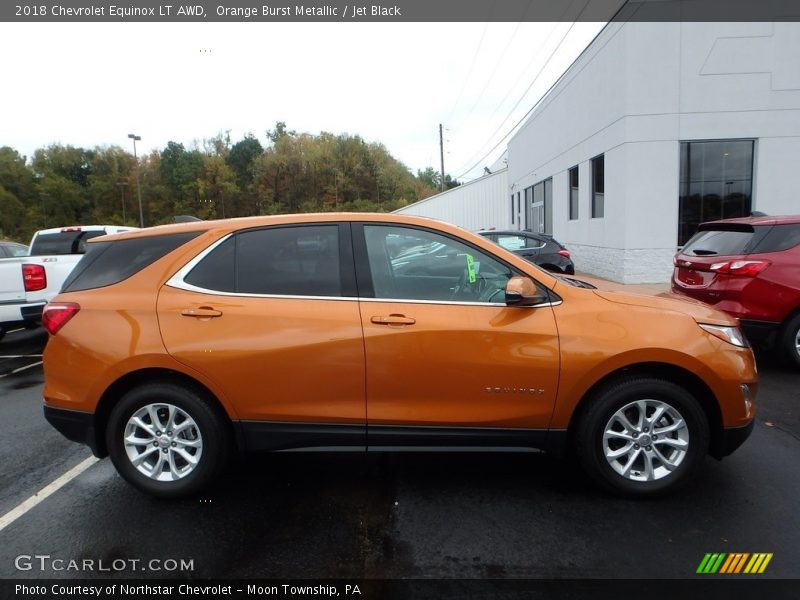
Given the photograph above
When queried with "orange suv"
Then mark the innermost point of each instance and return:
(173, 347)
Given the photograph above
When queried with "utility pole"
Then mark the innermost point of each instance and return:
(441, 153)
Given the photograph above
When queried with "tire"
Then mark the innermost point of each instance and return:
(790, 341)
(620, 464)
(179, 461)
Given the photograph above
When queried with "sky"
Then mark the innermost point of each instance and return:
(91, 84)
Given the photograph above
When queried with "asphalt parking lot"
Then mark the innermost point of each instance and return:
(390, 515)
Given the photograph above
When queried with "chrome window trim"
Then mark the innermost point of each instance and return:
(177, 282)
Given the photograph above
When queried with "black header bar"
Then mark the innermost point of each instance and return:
(281, 11)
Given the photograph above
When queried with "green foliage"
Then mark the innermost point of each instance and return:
(294, 172)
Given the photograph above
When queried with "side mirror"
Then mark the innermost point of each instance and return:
(521, 291)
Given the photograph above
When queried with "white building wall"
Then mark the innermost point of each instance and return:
(638, 91)
(481, 204)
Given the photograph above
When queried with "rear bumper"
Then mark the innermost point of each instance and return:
(759, 333)
(20, 313)
(74, 425)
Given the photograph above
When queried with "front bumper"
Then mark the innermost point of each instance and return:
(74, 425)
(732, 438)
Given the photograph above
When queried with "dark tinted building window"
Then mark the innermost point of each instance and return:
(716, 182)
(107, 263)
(295, 261)
(528, 200)
(598, 187)
(573, 193)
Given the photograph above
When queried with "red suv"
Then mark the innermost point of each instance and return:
(750, 268)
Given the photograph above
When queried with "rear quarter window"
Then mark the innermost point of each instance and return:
(107, 263)
(779, 237)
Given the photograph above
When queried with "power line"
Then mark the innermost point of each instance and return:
(535, 79)
(525, 93)
(469, 73)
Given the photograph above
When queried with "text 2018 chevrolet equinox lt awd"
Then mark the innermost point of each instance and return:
(173, 347)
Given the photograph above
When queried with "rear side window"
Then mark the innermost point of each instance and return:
(107, 263)
(292, 261)
(63, 242)
(780, 237)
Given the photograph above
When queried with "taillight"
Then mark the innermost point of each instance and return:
(747, 268)
(564, 252)
(57, 314)
(34, 277)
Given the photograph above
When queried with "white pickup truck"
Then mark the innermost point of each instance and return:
(27, 283)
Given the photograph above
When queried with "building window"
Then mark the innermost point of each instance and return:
(540, 209)
(716, 182)
(598, 187)
(512, 209)
(528, 200)
(573, 193)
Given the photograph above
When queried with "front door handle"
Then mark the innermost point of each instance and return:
(203, 312)
(393, 320)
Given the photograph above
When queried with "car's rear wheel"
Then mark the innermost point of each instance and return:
(790, 340)
(167, 440)
(642, 436)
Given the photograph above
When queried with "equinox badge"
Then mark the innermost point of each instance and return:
(514, 390)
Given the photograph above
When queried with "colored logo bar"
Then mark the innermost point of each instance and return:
(734, 563)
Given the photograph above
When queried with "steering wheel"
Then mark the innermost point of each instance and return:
(466, 291)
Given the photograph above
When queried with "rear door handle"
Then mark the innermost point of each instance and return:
(393, 320)
(203, 312)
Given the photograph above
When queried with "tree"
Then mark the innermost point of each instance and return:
(68, 162)
(12, 216)
(180, 170)
(241, 158)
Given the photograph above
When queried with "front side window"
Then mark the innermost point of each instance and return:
(415, 264)
(289, 261)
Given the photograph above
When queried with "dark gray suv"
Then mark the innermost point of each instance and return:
(539, 248)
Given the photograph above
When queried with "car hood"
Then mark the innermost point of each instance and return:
(700, 312)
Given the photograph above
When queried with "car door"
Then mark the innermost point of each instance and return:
(446, 359)
(270, 315)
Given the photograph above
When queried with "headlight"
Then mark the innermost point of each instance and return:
(732, 335)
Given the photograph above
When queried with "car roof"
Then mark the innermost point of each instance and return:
(234, 224)
(758, 221)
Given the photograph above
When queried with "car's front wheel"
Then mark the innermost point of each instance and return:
(167, 440)
(642, 436)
